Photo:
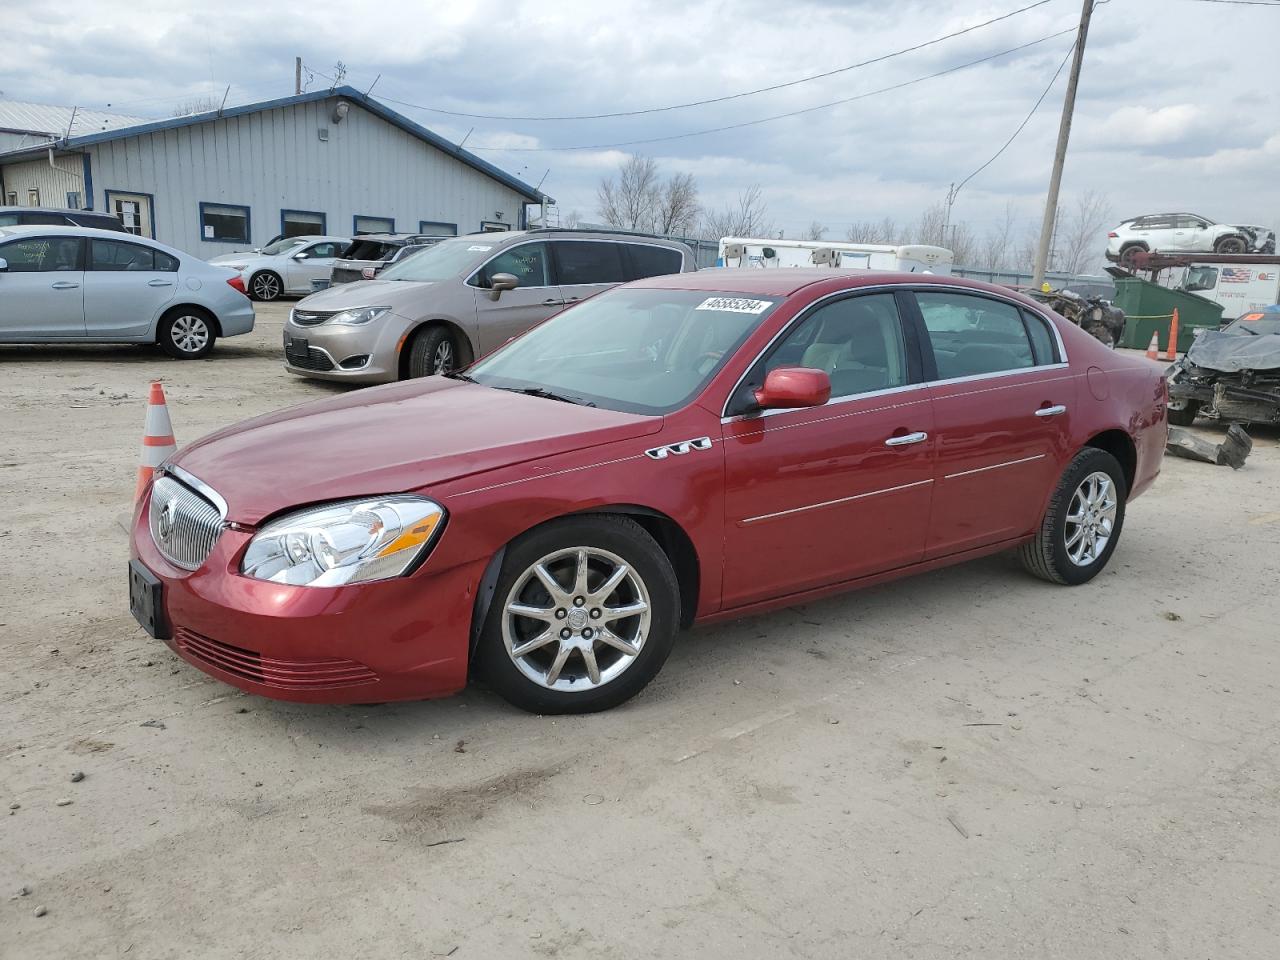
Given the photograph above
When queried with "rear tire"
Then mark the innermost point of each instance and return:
(1082, 525)
(433, 353)
(266, 286)
(1127, 255)
(1186, 416)
(187, 333)
(578, 657)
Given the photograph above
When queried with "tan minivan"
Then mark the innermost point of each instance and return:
(461, 298)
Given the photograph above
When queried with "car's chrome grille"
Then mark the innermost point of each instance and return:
(307, 318)
(184, 525)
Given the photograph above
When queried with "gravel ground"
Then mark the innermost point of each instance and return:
(968, 763)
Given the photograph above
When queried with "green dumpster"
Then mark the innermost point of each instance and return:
(1149, 307)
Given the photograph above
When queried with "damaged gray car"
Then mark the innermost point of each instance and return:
(1232, 374)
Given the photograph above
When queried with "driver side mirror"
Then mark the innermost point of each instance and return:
(302, 255)
(790, 388)
(4, 265)
(502, 281)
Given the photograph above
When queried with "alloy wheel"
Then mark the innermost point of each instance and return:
(266, 287)
(576, 619)
(442, 362)
(189, 333)
(1091, 519)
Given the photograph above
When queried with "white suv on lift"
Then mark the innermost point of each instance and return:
(1179, 233)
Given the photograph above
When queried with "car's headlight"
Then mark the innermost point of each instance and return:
(351, 541)
(357, 315)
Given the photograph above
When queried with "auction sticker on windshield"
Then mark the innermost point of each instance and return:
(734, 305)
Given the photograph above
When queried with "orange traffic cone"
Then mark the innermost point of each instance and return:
(1173, 336)
(157, 439)
(1153, 348)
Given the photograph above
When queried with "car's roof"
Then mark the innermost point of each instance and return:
(785, 281)
(91, 213)
(72, 229)
(394, 237)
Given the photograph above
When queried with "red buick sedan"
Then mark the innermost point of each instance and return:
(674, 451)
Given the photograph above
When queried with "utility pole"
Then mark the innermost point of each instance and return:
(1060, 154)
(297, 76)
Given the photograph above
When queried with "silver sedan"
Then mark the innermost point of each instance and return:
(79, 285)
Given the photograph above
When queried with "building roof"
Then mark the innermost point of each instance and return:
(350, 94)
(44, 120)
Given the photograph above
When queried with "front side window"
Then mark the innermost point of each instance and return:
(300, 223)
(224, 223)
(639, 351)
(651, 261)
(42, 255)
(364, 224)
(322, 250)
(528, 263)
(117, 255)
(972, 335)
(585, 262)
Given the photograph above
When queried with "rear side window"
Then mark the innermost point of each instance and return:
(649, 261)
(1042, 340)
(583, 262)
(42, 255)
(117, 255)
(973, 335)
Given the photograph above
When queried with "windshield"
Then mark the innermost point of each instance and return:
(1254, 324)
(635, 350)
(1200, 278)
(445, 260)
(282, 246)
(370, 250)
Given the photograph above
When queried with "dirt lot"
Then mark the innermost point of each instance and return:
(967, 763)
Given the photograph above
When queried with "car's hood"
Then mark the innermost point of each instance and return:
(1231, 353)
(400, 437)
(366, 293)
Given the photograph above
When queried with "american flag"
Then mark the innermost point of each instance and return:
(1234, 275)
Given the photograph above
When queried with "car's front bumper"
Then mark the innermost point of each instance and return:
(401, 639)
(336, 345)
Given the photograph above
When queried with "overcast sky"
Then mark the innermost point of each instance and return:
(1178, 105)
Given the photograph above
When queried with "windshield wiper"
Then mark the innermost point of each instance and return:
(459, 375)
(548, 395)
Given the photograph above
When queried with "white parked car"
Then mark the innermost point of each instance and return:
(80, 285)
(285, 267)
(1181, 233)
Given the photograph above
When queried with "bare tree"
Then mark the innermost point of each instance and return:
(676, 205)
(997, 245)
(815, 231)
(1081, 233)
(571, 220)
(748, 218)
(629, 202)
(872, 231)
(195, 105)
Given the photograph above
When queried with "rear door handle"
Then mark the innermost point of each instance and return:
(65, 285)
(1051, 411)
(905, 439)
(159, 283)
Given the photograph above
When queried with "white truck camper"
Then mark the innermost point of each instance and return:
(755, 253)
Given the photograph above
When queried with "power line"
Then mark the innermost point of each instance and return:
(1242, 3)
(783, 116)
(727, 97)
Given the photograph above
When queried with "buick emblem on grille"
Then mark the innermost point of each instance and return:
(164, 523)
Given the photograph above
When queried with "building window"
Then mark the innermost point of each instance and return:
(224, 223)
(363, 224)
(73, 199)
(33, 197)
(492, 226)
(302, 223)
(12, 198)
(437, 228)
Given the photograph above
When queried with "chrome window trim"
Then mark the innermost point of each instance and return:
(198, 485)
(833, 503)
(911, 288)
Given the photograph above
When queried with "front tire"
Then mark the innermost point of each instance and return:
(433, 353)
(187, 334)
(584, 615)
(1082, 526)
(265, 286)
(1231, 246)
(1186, 416)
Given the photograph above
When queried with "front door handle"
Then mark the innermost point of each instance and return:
(552, 302)
(159, 283)
(65, 285)
(908, 438)
(1051, 411)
